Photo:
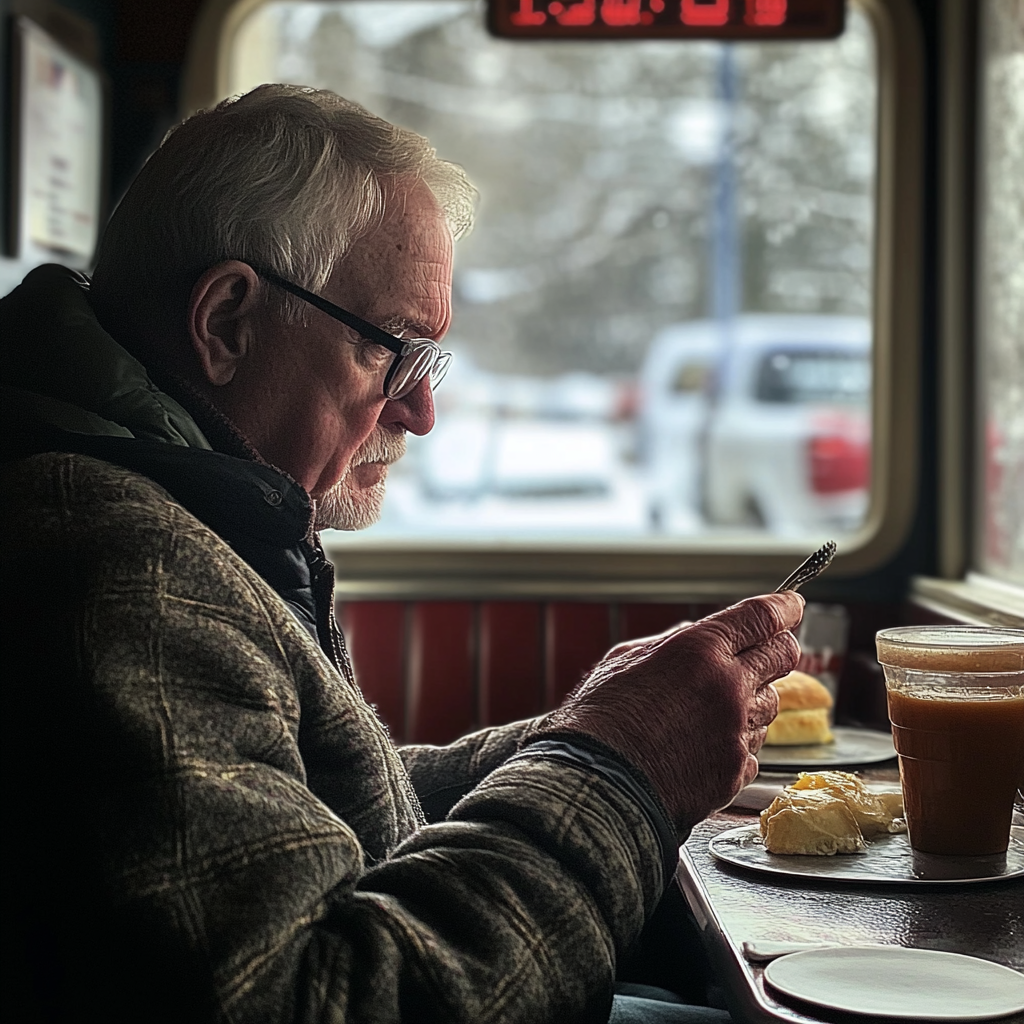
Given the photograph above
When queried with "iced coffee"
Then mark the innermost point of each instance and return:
(956, 703)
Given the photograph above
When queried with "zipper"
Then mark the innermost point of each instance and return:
(332, 640)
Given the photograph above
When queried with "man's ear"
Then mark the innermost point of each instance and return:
(220, 319)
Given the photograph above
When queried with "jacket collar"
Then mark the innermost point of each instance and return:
(69, 386)
(60, 368)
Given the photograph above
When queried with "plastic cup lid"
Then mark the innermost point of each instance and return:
(952, 648)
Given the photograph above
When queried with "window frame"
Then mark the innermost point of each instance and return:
(956, 428)
(975, 279)
(956, 592)
(697, 570)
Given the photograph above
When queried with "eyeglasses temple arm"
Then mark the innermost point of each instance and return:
(365, 329)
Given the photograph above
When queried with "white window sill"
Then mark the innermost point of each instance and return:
(976, 600)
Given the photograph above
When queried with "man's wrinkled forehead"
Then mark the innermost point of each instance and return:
(414, 220)
(402, 270)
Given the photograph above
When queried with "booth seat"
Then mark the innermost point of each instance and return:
(436, 670)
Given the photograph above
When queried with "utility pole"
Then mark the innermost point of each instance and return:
(725, 252)
(725, 256)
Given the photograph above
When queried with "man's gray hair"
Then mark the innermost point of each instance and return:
(283, 177)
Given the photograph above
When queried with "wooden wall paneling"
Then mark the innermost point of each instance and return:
(636, 620)
(698, 611)
(511, 661)
(441, 694)
(577, 636)
(375, 632)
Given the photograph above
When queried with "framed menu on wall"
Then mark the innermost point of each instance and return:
(58, 149)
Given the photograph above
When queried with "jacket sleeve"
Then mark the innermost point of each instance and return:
(190, 873)
(441, 776)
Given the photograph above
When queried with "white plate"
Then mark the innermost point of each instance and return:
(891, 981)
(768, 785)
(852, 746)
(887, 860)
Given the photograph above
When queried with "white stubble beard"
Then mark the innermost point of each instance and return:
(348, 507)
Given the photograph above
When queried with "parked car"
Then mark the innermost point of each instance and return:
(468, 457)
(778, 437)
(675, 382)
(479, 475)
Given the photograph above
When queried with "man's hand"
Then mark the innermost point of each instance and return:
(690, 707)
(628, 645)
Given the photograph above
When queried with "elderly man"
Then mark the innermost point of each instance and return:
(206, 819)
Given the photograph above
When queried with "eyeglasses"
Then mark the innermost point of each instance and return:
(415, 358)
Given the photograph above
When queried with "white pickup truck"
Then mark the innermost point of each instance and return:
(765, 423)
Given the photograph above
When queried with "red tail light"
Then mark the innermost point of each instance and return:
(839, 464)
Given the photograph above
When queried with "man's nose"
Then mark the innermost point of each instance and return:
(414, 412)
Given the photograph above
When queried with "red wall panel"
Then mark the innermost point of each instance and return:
(698, 611)
(442, 672)
(511, 661)
(436, 670)
(577, 636)
(636, 620)
(375, 633)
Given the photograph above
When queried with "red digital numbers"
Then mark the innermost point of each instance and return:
(581, 13)
(704, 12)
(766, 12)
(526, 15)
(623, 13)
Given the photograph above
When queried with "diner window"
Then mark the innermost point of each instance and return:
(664, 319)
(1000, 490)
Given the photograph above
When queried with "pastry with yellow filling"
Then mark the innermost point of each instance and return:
(810, 822)
(876, 813)
(828, 813)
(804, 706)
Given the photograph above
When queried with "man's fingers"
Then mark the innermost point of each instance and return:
(771, 660)
(756, 739)
(758, 619)
(765, 706)
(750, 769)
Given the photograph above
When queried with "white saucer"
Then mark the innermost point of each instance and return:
(892, 981)
(887, 860)
(852, 746)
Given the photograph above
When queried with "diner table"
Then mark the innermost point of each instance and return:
(733, 905)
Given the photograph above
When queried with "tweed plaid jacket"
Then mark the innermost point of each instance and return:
(209, 822)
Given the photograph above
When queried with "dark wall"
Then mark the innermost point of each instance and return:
(150, 41)
(100, 15)
(5, 134)
(142, 47)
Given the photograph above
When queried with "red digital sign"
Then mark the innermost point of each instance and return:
(659, 19)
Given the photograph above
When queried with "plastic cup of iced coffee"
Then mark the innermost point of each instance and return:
(956, 704)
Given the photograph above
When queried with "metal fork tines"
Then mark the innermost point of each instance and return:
(811, 567)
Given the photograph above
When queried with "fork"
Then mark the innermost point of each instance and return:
(809, 568)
